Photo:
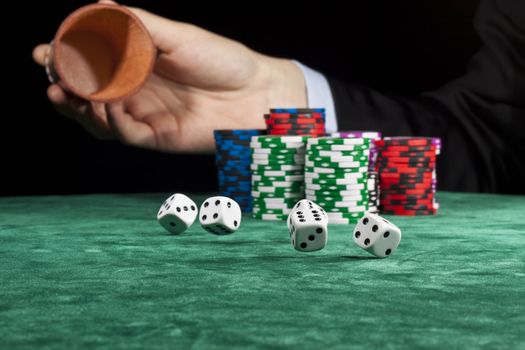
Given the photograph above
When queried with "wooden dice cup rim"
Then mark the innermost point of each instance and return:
(147, 53)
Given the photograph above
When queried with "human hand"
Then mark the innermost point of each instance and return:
(201, 82)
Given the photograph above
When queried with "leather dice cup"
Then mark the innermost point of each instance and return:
(101, 53)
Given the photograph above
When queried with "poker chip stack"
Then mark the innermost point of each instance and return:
(296, 121)
(336, 177)
(232, 159)
(373, 192)
(277, 175)
(373, 179)
(407, 175)
(372, 135)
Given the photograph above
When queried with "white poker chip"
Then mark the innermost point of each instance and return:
(291, 178)
(281, 206)
(256, 145)
(320, 193)
(335, 187)
(352, 165)
(317, 170)
(279, 139)
(270, 217)
(278, 151)
(279, 200)
(270, 189)
(333, 176)
(339, 159)
(351, 181)
(332, 215)
(284, 167)
(357, 198)
(365, 135)
(258, 194)
(277, 173)
(298, 160)
(338, 153)
(341, 221)
(276, 156)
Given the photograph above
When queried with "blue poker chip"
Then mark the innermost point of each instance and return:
(240, 173)
(234, 151)
(231, 167)
(233, 178)
(233, 189)
(239, 132)
(242, 185)
(228, 157)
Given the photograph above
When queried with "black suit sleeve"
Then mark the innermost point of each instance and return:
(480, 116)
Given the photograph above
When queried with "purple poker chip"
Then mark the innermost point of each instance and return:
(358, 134)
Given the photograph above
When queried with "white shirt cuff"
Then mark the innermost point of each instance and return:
(319, 95)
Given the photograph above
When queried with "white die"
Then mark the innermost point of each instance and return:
(304, 205)
(177, 213)
(220, 215)
(308, 227)
(377, 235)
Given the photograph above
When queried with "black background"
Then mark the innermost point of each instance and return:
(406, 46)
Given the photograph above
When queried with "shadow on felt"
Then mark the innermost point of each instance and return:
(261, 259)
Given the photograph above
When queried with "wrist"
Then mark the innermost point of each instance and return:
(286, 83)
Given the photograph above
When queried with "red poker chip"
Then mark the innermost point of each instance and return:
(409, 212)
(407, 207)
(406, 148)
(405, 170)
(393, 187)
(409, 141)
(294, 120)
(405, 197)
(388, 154)
(295, 132)
(429, 201)
(408, 159)
(394, 175)
(398, 168)
(289, 126)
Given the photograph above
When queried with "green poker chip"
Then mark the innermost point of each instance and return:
(278, 184)
(270, 217)
(337, 165)
(319, 153)
(276, 167)
(355, 200)
(337, 159)
(277, 151)
(345, 182)
(290, 178)
(258, 210)
(338, 148)
(287, 195)
(321, 170)
(270, 173)
(280, 140)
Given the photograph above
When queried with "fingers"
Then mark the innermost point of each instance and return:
(40, 52)
(91, 116)
(107, 2)
(128, 130)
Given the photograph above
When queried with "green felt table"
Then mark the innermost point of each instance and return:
(98, 271)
